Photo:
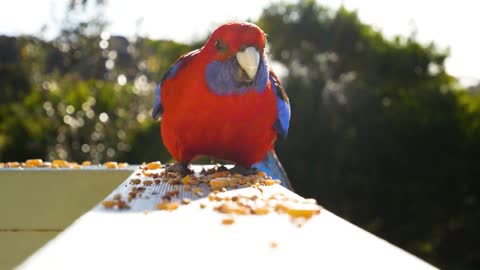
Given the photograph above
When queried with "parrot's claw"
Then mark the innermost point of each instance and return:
(180, 168)
(243, 170)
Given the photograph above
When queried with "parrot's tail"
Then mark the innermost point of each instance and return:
(272, 166)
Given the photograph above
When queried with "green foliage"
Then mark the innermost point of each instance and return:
(83, 96)
(380, 133)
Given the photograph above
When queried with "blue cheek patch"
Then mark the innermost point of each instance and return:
(221, 77)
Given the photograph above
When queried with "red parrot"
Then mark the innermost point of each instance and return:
(224, 101)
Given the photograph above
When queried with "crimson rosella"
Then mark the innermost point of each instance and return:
(224, 100)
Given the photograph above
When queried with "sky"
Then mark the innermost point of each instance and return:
(449, 23)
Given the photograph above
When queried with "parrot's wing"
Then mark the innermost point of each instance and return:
(283, 106)
(181, 61)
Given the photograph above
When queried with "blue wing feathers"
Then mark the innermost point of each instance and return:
(273, 168)
(157, 105)
(283, 107)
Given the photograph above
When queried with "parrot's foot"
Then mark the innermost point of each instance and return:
(179, 167)
(243, 170)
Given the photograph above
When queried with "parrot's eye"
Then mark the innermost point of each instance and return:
(220, 45)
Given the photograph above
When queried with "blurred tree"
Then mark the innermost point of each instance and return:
(14, 82)
(378, 133)
(84, 95)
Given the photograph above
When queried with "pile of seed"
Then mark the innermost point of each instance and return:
(219, 180)
(116, 202)
(264, 203)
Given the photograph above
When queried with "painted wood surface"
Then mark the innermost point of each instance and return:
(190, 237)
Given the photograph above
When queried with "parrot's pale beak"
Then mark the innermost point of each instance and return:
(249, 60)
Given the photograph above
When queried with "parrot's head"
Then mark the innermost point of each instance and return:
(236, 58)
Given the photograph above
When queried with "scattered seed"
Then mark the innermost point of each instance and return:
(198, 192)
(60, 163)
(110, 164)
(228, 221)
(33, 162)
(173, 193)
(269, 182)
(147, 182)
(154, 165)
(173, 182)
(261, 174)
(261, 210)
(273, 244)
(221, 174)
(122, 165)
(135, 181)
(109, 203)
(186, 180)
(166, 205)
(219, 183)
(303, 211)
